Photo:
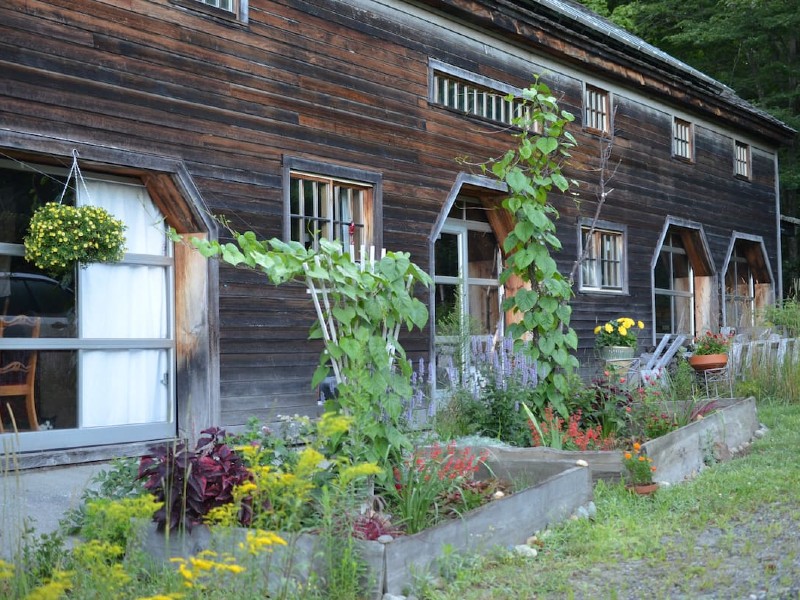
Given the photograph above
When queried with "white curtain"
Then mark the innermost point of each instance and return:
(120, 387)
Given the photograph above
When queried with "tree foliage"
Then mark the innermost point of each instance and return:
(753, 46)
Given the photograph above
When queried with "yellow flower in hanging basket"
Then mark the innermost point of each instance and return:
(61, 236)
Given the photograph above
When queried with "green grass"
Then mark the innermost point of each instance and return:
(669, 533)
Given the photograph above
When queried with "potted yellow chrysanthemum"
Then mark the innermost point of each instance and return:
(617, 339)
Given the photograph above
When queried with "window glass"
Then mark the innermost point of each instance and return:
(477, 99)
(482, 255)
(83, 381)
(742, 160)
(447, 259)
(674, 288)
(682, 143)
(330, 209)
(596, 107)
(603, 264)
(223, 4)
(748, 285)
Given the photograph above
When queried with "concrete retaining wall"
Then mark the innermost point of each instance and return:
(677, 455)
(392, 566)
(685, 451)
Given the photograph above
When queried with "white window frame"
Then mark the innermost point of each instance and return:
(100, 434)
(229, 5)
(742, 160)
(605, 259)
(682, 139)
(597, 109)
(232, 10)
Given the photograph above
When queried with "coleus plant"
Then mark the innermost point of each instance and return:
(191, 483)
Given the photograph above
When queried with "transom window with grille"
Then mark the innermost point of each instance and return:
(742, 160)
(603, 268)
(476, 99)
(329, 208)
(682, 143)
(597, 109)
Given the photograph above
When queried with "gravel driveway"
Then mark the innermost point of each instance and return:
(754, 559)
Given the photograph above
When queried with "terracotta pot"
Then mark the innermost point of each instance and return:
(705, 362)
(643, 489)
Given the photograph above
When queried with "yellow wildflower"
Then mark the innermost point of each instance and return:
(310, 461)
(353, 472)
(258, 540)
(332, 424)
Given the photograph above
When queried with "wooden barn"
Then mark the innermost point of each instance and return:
(302, 118)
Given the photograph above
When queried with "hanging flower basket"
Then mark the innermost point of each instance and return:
(61, 236)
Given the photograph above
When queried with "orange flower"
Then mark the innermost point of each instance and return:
(642, 459)
(637, 446)
(627, 456)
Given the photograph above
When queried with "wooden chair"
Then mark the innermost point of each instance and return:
(18, 367)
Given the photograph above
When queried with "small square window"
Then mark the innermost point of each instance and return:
(597, 109)
(324, 207)
(682, 139)
(741, 160)
(602, 268)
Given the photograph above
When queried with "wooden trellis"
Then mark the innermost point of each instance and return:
(321, 293)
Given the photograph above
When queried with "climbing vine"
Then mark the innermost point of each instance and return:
(361, 308)
(531, 171)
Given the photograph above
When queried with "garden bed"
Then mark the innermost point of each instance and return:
(556, 494)
(678, 454)
(715, 438)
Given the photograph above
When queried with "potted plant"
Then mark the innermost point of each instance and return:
(61, 236)
(640, 469)
(616, 340)
(710, 351)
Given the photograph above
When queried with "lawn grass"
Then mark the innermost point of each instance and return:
(678, 524)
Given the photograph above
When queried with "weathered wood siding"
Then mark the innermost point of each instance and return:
(345, 83)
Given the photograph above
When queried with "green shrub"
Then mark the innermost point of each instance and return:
(785, 316)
